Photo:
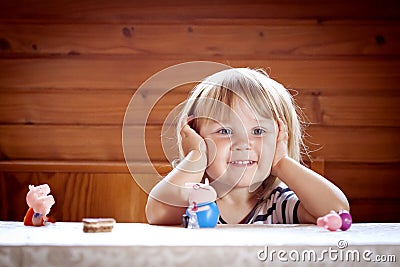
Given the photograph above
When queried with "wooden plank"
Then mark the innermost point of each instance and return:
(365, 181)
(64, 107)
(77, 195)
(354, 144)
(318, 165)
(91, 107)
(263, 39)
(375, 210)
(121, 11)
(4, 207)
(61, 143)
(105, 167)
(343, 110)
(344, 75)
(46, 142)
(108, 107)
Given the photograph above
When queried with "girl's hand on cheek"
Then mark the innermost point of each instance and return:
(191, 140)
(281, 150)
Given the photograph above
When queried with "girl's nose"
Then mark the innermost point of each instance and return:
(241, 142)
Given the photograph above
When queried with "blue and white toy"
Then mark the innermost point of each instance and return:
(202, 211)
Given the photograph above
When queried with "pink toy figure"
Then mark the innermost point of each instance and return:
(331, 221)
(39, 203)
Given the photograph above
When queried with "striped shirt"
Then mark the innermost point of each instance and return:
(279, 208)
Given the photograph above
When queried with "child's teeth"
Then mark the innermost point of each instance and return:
(242, 162)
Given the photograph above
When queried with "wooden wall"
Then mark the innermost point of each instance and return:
(68, 70)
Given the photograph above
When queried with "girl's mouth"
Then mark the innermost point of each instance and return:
(242, 163)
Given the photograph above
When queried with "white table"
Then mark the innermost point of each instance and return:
(134, 244)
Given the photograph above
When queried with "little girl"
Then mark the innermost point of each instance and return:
(240, 129)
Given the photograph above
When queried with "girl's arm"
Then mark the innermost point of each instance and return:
(168, 200)
(317, 195)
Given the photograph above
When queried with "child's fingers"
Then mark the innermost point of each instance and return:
(186, 125)
(281, 143)
(282, 129)
(191, 140)
(282, 126)
(185, 130)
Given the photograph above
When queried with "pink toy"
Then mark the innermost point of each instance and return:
(39, 203)
(334, 221)
(347, 220)
(331, 221)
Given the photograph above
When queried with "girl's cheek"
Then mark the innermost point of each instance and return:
(211, 150)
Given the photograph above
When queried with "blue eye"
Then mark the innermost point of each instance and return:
(225, 131)
(258, 131)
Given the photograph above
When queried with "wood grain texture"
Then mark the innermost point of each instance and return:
(358, 180)
(365, 181)
(117, 195)
(264, 38)
(106, 107)
(178, 10)
(116, 167)
(129, 72)
(78, 195)
(375, 210)
(353, 144)
(69, 68)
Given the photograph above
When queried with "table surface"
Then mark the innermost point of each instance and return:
(149, 245)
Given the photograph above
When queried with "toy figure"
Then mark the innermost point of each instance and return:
(39, 203)
(334, 221)
(193, 222)
(203, 211)
(346, 219)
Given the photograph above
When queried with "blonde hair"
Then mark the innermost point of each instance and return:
(264, 95)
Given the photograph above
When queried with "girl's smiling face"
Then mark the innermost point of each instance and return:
(243, 147)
